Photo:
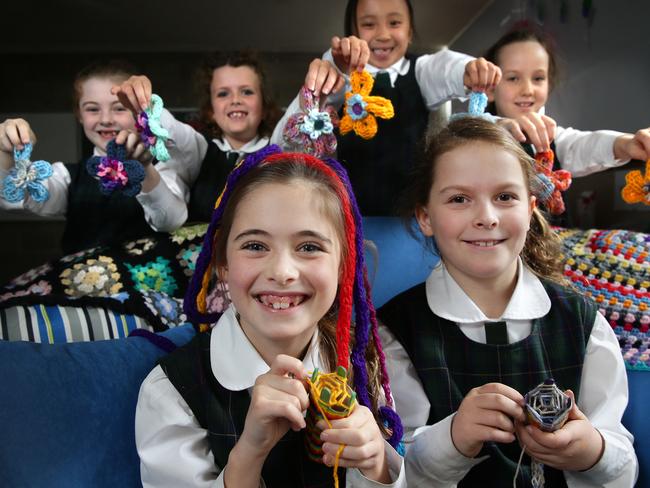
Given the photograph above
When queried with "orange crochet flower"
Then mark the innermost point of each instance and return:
(361, 109)
(556, 181)
(637, 187)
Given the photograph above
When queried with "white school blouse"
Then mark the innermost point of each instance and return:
(432, 459)
(174, 449)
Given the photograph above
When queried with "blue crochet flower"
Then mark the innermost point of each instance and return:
(316, 123)
(26, 176)
(356, 107)
(115, 172)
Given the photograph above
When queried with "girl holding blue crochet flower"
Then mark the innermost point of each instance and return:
(239, 118)
(493, 321)
(526, 57)
(229, 408)
(378, 34)
(92, 218)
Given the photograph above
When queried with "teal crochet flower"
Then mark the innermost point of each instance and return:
(356, 107)
(26, 176)
(152, 134)
(316, 123)
(155, 275)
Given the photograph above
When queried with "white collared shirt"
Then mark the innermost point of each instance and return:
(174, 449)
(165, 206)
(432, 459)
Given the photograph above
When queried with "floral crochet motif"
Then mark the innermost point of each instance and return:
(155, 276)
(553, 181)
(29, 276)
(152, 134)
(26, 176)
(115, 172)
(188, 233)
(637, 186)
(312, 130)
(168, 309)
(361, 109)
(95, 277)
(40, 288)
(187, 258)
(140, 246)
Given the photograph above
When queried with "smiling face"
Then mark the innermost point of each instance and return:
(386, 26)
(524, 86)
(479, 211)
(236, 96)
(283, 256)
(100, 113)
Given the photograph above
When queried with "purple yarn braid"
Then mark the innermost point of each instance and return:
(205, 256)
(365, 317)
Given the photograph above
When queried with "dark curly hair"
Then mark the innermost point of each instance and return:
(270, 111)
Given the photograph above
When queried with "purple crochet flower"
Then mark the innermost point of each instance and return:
(312, 130)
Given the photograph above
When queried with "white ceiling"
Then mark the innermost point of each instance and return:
(30, 26)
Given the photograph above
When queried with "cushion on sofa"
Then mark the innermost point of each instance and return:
(68, 410)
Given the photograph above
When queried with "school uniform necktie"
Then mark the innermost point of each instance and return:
(232, 158)
(496, 333)
(382, 81)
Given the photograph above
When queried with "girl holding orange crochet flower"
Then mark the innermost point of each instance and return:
(379, 148)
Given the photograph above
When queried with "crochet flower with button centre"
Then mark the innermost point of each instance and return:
(361, 110)
(637, 186)
(26, 176)
(312, 130)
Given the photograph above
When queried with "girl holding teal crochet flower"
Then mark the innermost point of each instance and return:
(238, 118)
(92, 218)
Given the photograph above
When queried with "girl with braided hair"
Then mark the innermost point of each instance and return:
(228, 408)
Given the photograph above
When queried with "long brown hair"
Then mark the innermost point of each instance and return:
(541, 252)
(270, 111)
(323, 189)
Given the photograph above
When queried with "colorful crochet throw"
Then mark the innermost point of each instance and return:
(553, 182)
(637, 186)
(353, 295)
(152, 134)
(361, 110)
(26, 177)
(331, 398)
(312, 130)
(115, 172)
(612, 267)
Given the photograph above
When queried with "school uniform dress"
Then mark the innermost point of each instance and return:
(184, 439)
(92, 218)
(435, 344)
(193, 177)
(378, 167)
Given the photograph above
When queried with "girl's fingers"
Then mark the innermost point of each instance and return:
(285, 409)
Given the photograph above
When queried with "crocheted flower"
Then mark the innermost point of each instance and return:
(189, 233)
(26, 176)
(95, 277)
(139, 246)
(155, 275)
(475, 108)
(115, 172)
(39, 288)
(312, 130)
(219, 298)
(168, 309)
(152, 134)
(637, 186)
(361, 109)
(554, 182)
(29, 276)
(187, 258)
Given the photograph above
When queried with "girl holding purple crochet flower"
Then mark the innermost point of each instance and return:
(238, 118)
(92, 217)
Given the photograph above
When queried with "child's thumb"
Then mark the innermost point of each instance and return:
(575, 413)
